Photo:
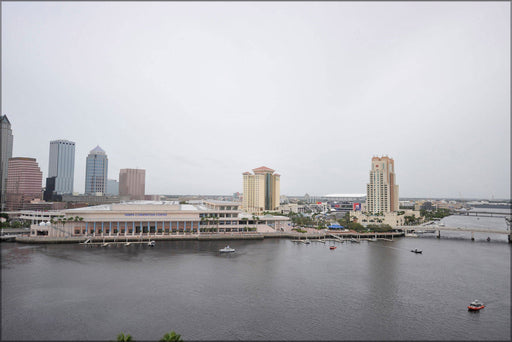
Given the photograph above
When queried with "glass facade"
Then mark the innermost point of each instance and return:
(62, 165)
(5, 153)
(96, 170)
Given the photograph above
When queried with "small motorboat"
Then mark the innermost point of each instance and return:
(307, 242)
(332, 247)
(416, 250)
(227, 249)
(475, 306)
(151, 243)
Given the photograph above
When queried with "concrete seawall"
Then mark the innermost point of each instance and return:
(201, 237)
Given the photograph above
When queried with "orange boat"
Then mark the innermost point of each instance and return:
(332, 247)
(475, 306)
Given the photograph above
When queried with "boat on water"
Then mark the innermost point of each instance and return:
(227, 249)
(307, 242)
(475, 306)
(151, 243)
(332, 247)
(416, 250)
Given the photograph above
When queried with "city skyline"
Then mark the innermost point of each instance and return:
(305, 94)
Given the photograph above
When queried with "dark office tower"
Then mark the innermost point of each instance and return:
(5, 154)
(50, 189)
(96, 171)
(62, 165)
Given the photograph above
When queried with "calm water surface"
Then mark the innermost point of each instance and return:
(271, 289)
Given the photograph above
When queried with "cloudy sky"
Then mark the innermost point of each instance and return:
(197, 93)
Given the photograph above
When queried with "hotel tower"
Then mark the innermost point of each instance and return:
(261, 190)
(382, 191)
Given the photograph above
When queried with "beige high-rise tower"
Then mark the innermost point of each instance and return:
(382, 191)
(132, 183)
(261, 190)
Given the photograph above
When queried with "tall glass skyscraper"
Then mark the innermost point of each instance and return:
(96, 171)
(5, 154)
(62, 165)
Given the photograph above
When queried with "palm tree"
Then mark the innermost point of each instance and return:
(124, 338)
(171, 337)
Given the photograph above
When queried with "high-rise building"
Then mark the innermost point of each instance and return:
(112, 187)
(382, 191)
(5, 154)
(49, 190)
(132, 183)
(96, 171)
(62, 165)
(24, 182)
(261, 190)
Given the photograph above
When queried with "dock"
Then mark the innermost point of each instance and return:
(90, 243)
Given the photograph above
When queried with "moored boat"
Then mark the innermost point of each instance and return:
(332, 247)
(475, 306)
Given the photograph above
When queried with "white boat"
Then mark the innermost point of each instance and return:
(227, 249)
(307, 242)
(151, 243)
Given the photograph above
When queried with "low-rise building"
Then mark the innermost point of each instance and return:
(157, 218)
(393, 219)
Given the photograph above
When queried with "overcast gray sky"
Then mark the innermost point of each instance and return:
(197, 93)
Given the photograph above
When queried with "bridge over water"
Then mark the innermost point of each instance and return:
(438, 230)
(482, 213)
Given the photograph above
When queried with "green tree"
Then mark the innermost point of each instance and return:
(171, 337)
(124, 338)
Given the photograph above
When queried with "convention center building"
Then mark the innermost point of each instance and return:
(154, 218)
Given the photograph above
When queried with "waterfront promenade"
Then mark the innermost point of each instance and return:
(205, 236)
